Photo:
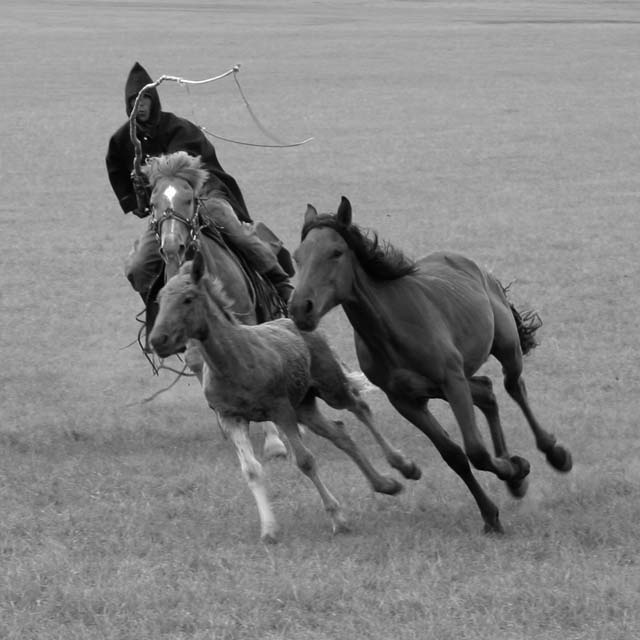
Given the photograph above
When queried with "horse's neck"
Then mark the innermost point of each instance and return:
(225, 345)
(221, 262)
(365, 308)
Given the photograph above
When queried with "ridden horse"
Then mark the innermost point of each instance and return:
(176, 181)
(268, 371)
(422, 330)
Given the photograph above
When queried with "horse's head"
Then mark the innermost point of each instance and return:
(325, 270)
(176, 181)
(182, 310)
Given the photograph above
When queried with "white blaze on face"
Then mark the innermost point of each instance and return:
(170, 242)
(170, 193)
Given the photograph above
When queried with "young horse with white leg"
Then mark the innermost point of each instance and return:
(269, 371)
(422, 330)
(177, 182)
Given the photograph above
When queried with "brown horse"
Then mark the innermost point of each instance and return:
(176, 182)
(269, 371)
(422, 330)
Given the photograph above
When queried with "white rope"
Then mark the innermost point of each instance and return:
(234, 70)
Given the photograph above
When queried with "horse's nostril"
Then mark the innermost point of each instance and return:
(308, 306)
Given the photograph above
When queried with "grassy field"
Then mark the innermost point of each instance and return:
(504, 130)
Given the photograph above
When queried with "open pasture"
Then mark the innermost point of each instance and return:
(507, 131)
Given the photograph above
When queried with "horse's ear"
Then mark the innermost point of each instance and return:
(309, 214)
(197, 268)
(344, 212)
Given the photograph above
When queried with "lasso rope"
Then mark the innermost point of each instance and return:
(137, 167)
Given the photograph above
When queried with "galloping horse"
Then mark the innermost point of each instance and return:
(176, 181)
(422, 330)
(268, 371)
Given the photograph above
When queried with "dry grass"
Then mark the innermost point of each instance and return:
(505, 130)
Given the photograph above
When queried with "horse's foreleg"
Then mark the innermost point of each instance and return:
(308, 465)
(481, 389)
(309, 415)
(458, 395)
(238, 432)
(418, 414)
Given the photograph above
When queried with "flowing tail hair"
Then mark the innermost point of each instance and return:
(527, 323)
(359, 382)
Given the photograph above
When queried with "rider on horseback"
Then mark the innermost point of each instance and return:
(161, 132)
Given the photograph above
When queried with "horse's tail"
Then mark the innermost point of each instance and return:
(358, 382)
(527, 323)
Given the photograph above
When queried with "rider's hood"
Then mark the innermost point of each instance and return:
(138, 78)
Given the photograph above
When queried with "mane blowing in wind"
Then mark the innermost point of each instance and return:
(380, 259)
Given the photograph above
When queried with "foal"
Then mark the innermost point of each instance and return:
(270, 371)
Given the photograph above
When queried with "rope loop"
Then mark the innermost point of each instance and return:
(278, 144)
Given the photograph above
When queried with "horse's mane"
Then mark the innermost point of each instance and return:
(177, 165)
(379, 259)
(213, 288)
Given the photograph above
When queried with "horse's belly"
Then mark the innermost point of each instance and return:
(256, 399)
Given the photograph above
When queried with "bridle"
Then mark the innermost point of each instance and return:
(194, 224)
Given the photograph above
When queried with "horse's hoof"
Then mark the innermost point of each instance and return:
(389, 486)
(341, 526)
(523, 467)
(412, 472)
(560, 458)
(519, 488)
(493, 528)
(270, 537)
(274, 450)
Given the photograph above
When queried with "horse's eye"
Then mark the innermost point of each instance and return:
(336, 253)
(187, 300)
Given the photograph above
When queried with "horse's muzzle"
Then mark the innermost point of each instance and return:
(173, 249)
(302, 312)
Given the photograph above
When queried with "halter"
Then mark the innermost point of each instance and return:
(194, 223)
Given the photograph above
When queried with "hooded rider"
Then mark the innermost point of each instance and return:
(161, 132)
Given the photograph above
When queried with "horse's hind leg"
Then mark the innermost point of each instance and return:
(483, 397)
(356, 405)
(310, 416)
(558, 456)
(340, 391)
(507, 350)
(238, 432)
(308, 465)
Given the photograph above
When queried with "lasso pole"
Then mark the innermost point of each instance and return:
(137, 161)
(152, 85)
